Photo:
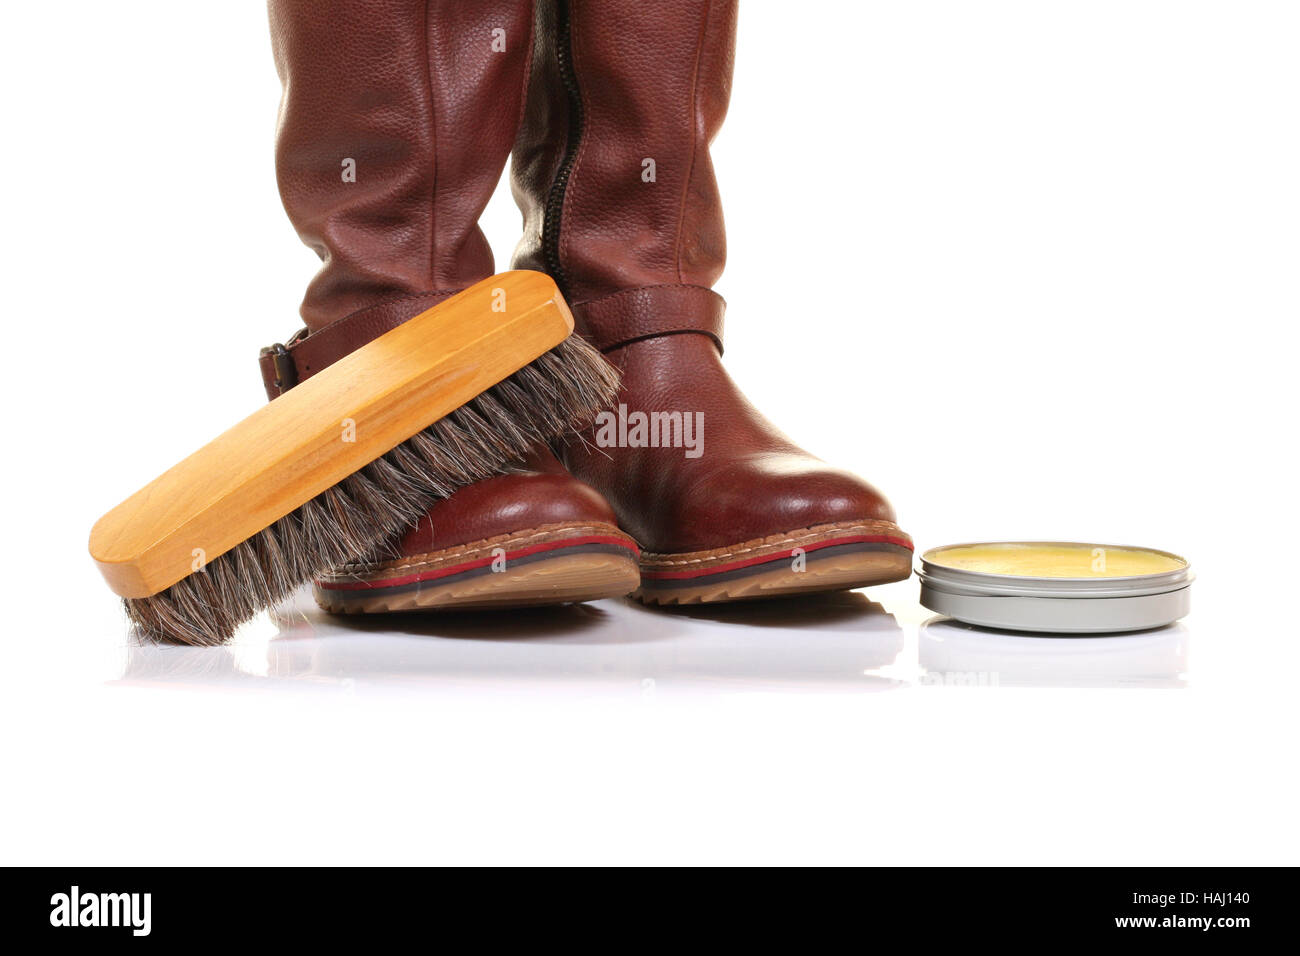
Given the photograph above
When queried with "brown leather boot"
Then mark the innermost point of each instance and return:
(395, 123)
(613, 174)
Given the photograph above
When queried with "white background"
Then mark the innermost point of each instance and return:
(1031, 267)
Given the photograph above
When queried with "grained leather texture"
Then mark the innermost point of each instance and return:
(653, 82)
(414, 92)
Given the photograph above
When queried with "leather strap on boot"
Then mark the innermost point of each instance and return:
(623, 317)
(306, 353)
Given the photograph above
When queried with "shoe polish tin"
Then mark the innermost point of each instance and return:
(1058, 587)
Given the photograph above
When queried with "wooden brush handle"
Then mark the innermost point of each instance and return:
(333, 424)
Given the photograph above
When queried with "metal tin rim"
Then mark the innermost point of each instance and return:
(989, 582)
(1074, 588)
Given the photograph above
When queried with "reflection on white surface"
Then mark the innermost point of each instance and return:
(815, 642)
(956, 654)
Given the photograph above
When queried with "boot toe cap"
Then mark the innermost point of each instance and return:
(773, 494)
(505, 505)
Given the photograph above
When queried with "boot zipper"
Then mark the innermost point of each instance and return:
(555, 198)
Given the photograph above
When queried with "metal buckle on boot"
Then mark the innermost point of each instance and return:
(286, 373)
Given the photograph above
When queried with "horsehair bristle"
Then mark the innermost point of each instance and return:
(555, 394)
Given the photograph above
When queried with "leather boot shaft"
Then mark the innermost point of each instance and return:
(612, 167)
(396, 120)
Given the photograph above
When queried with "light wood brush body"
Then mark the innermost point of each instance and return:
(337, 465)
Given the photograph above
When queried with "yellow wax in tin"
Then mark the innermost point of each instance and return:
(1055, 560)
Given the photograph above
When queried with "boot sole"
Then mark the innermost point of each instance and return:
(831, 557)
(536, 567)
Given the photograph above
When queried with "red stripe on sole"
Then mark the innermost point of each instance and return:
(777, 555)
(471, 565)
